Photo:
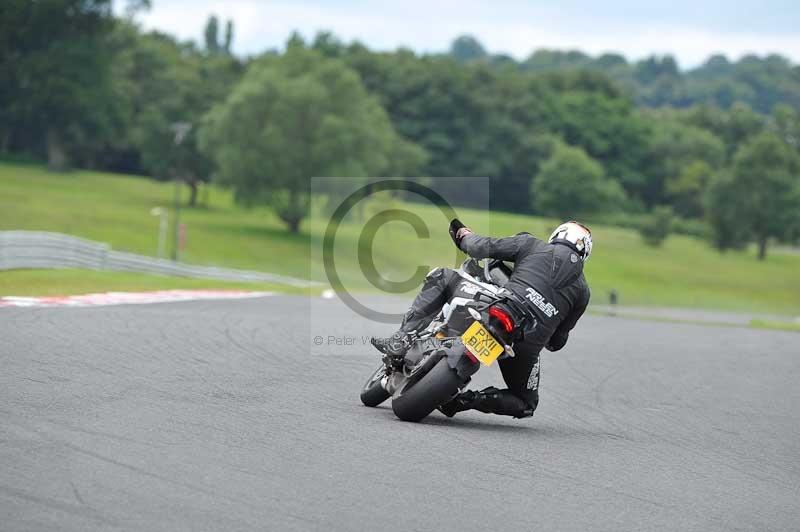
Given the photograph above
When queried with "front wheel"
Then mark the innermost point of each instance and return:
(415, 403)
(373, 393)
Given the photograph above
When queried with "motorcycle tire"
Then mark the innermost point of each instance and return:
(373, 393)
(439, 385)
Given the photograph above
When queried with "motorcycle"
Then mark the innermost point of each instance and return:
(476, 327)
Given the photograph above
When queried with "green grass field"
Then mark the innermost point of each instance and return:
(685, 272)
(63, 282)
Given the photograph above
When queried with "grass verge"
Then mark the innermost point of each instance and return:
(76, 282)
(775, 325)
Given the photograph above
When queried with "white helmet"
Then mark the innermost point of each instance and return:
(576, 236)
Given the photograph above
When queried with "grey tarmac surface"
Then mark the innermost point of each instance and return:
(226, 416)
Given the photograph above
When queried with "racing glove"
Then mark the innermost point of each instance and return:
(557, 341)
(458, 231)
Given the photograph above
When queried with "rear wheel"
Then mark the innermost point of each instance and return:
(373, 393)
(415, 403)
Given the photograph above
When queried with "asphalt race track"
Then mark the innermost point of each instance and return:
(225, 415)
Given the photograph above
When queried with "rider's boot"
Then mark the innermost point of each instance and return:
(490, 401)
(395, 346)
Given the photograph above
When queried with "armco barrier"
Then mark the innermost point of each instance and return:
(38, 249)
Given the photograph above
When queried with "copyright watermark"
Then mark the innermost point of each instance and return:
(341, 340)
(380, 238)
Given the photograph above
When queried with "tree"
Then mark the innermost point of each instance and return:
(328, 44)
(293, 117)
(55, 81)
(166, 159)
(761, 194)
(472, 120)
(466, 49)
(595, 115)
(228, 37)
(215, 43)
(211, 34)
(659, 82)
(687, 189)
(159, 82)
(734, 126)
(721, 200)
(570, 183)
(672, 148)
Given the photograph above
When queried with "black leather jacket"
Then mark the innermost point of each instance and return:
(549, 277)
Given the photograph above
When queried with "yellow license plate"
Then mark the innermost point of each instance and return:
(482, 344)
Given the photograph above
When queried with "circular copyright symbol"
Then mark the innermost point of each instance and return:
(318, 340)
(367, 237)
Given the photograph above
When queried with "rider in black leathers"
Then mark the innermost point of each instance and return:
(548, 276)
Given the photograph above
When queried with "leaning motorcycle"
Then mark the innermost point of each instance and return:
(476, 327)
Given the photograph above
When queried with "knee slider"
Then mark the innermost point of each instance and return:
(531, 400)
(528, 412)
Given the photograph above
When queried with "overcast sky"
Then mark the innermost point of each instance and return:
(690, 30)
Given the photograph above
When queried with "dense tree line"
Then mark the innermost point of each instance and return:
(713, 151)
(656, 81)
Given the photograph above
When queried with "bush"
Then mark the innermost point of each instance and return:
(656, 226)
